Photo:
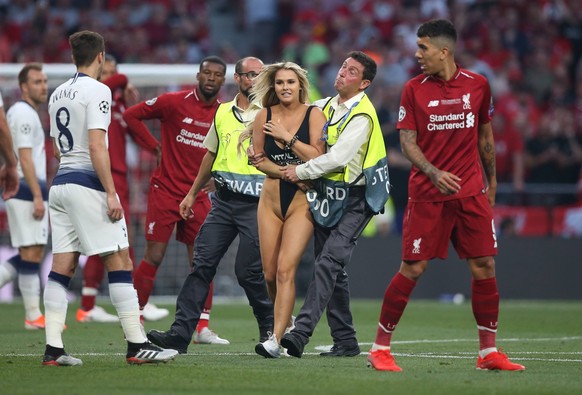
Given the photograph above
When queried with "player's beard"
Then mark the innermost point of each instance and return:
(209, 95)
(247, 92)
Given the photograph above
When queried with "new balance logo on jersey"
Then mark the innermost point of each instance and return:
(433, 103)
(151, 228)
(416, 246)
(188, 120)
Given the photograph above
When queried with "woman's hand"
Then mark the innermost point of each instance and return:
(277, 131)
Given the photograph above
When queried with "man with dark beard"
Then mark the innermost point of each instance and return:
(234, 212)
(185, 118)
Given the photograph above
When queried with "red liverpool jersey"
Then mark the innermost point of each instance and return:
(117, 133)
(446, 116)
(185, 120)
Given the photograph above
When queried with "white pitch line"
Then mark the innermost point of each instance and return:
(453, 355)
(426, 341)
(411, 355)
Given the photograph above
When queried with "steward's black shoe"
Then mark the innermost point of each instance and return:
(344, 350)
(293, 345)
(168, 339)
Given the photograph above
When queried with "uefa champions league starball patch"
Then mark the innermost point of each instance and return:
(401, 113)
(25, 128)
(104, 106)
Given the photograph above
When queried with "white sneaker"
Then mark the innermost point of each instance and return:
(290, 327)
(151, 312)
(150, 353)
(206, 336)
(96, 314)
(62, 360)
(269, 348)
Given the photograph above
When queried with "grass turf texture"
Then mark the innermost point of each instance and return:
(435, 344)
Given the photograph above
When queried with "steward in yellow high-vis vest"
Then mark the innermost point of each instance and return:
(231, 169)
(233, 214)
(328, 197)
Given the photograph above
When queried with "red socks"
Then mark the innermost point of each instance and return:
(205, 316)
(143, 281)
(485, 303)
(395, 301)
(93, 273)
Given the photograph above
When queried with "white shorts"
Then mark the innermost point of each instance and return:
(24, 229)
(79, 222)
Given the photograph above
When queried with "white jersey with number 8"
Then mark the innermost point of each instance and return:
(80, 104)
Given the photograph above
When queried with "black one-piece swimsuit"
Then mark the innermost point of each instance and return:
(284, 157)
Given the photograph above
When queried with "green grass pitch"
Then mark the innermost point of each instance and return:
(435, 344)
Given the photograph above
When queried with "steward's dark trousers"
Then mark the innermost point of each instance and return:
(226, 220)
(329, 287)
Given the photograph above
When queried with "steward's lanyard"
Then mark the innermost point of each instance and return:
(341, 123)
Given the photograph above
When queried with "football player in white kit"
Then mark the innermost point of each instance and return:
(27, 211)
(86, 215)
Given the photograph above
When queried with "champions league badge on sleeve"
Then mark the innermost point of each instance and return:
(104, 106)
(151, 102)
(25, 128)
(401, 113)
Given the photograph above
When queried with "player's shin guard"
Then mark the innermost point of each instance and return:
(55, 308)
(485, 303)
(124, 298)
(205, 316)
(93, 273)
(8, 270)
(29, 285)
(143, 281)
(395, 301)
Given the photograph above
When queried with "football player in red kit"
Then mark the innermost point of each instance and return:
(445, 131)
(185, 118)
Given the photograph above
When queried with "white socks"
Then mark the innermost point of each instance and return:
(29, 285)
(376, 347)
(55, 312)
(124, 298)
(486, 351)
(7, 273)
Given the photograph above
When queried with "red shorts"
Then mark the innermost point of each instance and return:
(163, 215)
(468, 223)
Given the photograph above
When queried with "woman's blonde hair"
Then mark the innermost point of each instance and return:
(264, 90)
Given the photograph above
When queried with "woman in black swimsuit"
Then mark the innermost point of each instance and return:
(287, 131)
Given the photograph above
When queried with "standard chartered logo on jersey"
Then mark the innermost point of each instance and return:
(451, 121)
(190, 138)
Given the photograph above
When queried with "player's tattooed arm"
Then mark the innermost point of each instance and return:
(447, 183)
(412, 152)
(486, 146)
(487, 152)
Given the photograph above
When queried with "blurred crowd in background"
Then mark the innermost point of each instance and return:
(529, 50)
